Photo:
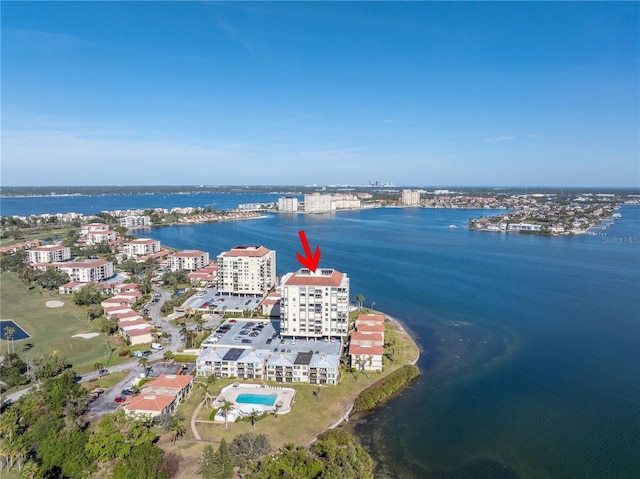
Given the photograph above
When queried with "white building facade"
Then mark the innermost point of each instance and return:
(288, 204)
(135, 221)
(247, 270)
(48, 254)
(142, 247)
(89, 271)
(314, 305)
(188, 260)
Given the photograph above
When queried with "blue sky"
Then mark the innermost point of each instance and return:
(430, 93)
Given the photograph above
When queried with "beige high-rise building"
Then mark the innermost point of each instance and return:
(317, 203)
(314, 305)
(247, 270)
(410, 197)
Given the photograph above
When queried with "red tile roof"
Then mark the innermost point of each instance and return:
(371, 317)
(139, 332)
(304, 278)
(357, 336)
(251, 251)
(171, 381)
(370, 327)
(373, 350)
(147, 402)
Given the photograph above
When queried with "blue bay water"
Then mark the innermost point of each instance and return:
(530, 345)
(88, 205)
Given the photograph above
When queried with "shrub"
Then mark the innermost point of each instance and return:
(185, 358)
(124, 352)
(380, 391)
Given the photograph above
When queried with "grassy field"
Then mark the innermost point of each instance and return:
(29, 236)
(50, 329)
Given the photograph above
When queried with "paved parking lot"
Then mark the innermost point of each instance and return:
(209, 299)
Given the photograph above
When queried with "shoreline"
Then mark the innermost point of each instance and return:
(400, 327)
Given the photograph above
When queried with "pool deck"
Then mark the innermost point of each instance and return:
(284, 400)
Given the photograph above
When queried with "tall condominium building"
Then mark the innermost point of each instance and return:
(317, 203)
(188, 260)
(314, 305)
(288, 204)
(410, 197)
(49, 254)
(247, 270)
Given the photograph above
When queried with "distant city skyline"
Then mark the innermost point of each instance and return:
(300, 93)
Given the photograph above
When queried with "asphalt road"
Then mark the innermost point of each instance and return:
(106, 404)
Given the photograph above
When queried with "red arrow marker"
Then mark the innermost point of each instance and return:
(310, 262)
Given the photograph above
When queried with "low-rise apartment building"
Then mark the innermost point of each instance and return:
(141, 247)
(161, 395)
(87, 271)
(100, 237)
(135, 221)
(53, 253)
(366, 344)
(191, 260)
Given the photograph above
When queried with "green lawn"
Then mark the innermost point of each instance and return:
(38, 234)
(51, 329)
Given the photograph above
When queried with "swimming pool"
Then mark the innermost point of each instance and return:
(18, 332)
(262, 399)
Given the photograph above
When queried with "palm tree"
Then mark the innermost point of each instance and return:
(225, 408)
(253, 416)
(143, 362)
(97, 366)
(199, 320)
(9, 332)
(168, 355)
(204, 388)
(177, 427)
(275, 413)
(360, 300)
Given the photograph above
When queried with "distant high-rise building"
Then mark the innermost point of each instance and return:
(317, 203)
(410, 197)
(314, 305)
(288, 204)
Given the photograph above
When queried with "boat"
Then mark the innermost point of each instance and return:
(452, 227)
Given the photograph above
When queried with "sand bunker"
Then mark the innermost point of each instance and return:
(86, 335)
(54, 304)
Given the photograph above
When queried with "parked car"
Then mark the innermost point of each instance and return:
(120, 399)
(247, 341)
(127, 391)
(103, 372)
